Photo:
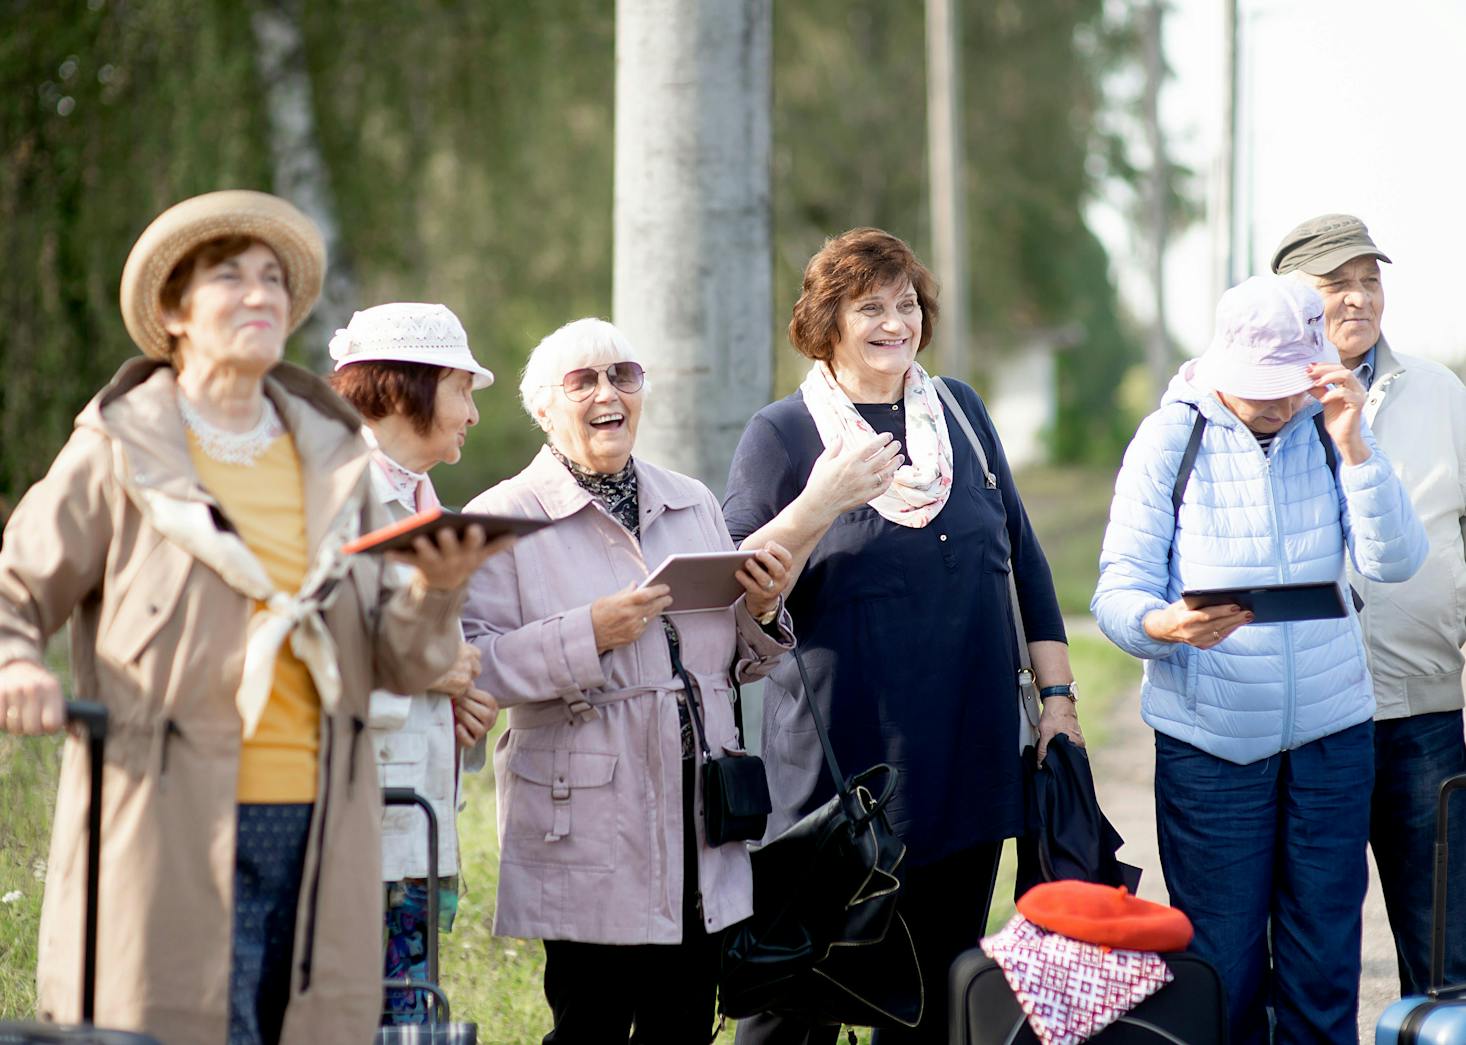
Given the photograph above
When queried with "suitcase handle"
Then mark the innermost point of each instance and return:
(1438, 907)
(92, 718)
(406, 796)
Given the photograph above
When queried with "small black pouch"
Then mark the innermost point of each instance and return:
(735, 795)
(735, 790)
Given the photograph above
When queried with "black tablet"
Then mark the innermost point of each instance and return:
(399, 536)
(1275, 603)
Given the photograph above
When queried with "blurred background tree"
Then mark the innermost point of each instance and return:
(468, 148)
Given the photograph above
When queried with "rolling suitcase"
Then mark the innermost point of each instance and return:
(1191, 1009)
(1439, 1015)
(93, 719)
(440, 1028)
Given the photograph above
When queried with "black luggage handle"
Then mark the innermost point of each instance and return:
(406, 796)
(1438, 911)
(92, 717)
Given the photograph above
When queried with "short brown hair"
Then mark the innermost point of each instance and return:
(379, 388)
(851, 264)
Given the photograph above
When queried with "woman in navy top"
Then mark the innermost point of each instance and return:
(901, 609)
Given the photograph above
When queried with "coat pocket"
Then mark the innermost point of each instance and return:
(146, 603)
(561, 809)
(402, 759)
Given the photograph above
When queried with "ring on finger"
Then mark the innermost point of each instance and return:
(768, 585)
(1216, 636)
(643, 622)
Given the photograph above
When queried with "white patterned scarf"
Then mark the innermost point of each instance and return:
(1070, 990)
(922, 485)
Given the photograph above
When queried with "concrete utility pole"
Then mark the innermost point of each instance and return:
(1225, 226)
(948, 201)
(1158, 343)
(693, 224)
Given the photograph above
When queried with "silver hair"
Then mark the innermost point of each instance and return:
(582, 342)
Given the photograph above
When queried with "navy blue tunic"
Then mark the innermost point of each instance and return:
(907, 634)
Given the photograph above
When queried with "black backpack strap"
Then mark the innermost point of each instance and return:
(1188, 462)
(1330, 454)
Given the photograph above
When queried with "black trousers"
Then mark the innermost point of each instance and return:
(651, 994)
(945, 905)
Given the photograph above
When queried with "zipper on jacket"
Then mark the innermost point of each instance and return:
(170, 730)
(308, 952)
(1290, 696)
(357, 727)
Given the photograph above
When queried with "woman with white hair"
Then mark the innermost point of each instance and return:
(407, 368)
(612, 706)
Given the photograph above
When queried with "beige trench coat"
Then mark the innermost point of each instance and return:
(158, 637)
(589, 773)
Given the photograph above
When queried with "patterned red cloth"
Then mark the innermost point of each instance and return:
(1071, 990)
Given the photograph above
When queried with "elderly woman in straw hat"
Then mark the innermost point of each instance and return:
(191, 530)
(612, 707)
(1258, 469)
(407, 368)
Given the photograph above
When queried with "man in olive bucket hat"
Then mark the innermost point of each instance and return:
(1413, 631)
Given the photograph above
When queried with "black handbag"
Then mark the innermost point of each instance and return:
(825, 942)
(735, 789)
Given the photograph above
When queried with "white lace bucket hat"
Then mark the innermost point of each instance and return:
(408, 332)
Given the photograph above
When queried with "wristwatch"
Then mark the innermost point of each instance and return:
(1069, 689)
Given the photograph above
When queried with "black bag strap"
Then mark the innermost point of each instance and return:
(1330, 454)
(819, 726)
(674, 644)
(1188, 462)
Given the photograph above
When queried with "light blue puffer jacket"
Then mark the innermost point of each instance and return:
(1248, 519)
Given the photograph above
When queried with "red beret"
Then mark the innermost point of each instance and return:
(1105, 915)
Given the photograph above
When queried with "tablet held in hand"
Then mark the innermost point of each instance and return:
(1275, 603)
(398, 537)
(700, 580)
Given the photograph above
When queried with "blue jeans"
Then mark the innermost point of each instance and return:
(1411, 758)
(1267, 860)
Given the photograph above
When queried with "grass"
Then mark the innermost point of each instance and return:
(1068, 508)
(493, 982)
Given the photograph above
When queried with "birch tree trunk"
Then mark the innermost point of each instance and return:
(300, 174)
(692, 277)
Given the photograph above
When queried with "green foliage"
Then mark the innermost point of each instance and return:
(470, 150)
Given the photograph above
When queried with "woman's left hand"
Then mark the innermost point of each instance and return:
(1058, 717)
(765, 576)
(474, 714)
(1343, 408)
(447, 564)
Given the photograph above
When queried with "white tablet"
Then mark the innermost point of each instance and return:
(700, 580)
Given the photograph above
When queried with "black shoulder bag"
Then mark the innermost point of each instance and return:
(735, 789)
(825, 941)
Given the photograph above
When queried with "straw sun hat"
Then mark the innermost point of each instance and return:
(233, 212)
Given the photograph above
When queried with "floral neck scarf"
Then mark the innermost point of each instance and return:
(617, 491)
(921, 487)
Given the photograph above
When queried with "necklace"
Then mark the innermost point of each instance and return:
(227, 447)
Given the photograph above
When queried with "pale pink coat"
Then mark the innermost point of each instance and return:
(589, 773)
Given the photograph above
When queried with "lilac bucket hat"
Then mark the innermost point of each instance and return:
(1269, 329)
